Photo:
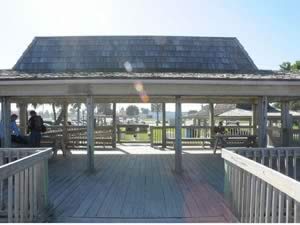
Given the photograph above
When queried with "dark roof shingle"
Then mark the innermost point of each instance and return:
(135, 54)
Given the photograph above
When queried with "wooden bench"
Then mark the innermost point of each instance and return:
(191, 141)
(234, 141)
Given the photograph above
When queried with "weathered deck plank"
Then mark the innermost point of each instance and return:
(137, 188)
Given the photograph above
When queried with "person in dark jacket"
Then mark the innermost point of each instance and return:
(35, 127)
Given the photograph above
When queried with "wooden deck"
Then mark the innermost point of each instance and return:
(136, 184)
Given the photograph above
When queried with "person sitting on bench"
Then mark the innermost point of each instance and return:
(16, 136)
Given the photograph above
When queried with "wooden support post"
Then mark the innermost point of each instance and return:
(5, 118)
(164, 135)
(211, 119)
(90, 133)
(23, 117)
(65, 123)
(286, 124)
(78, 113)
(114, 125)
(178, 144)
(262, 124)
(254, 118)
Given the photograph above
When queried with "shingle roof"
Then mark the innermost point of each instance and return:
(135, 54)
(224, 109)
(260, 75)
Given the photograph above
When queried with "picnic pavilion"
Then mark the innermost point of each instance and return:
(116, 69)
(143, 69)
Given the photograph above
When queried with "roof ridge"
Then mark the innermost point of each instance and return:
(137, 36)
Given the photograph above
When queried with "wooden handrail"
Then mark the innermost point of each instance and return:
(281, 182)
(14, 167)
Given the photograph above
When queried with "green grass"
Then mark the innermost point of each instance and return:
(139, 137)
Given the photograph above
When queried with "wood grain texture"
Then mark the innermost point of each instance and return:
(143, 187)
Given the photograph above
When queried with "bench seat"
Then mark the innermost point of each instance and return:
(191, 141)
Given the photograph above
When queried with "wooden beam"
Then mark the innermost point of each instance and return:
(286, 123)
(178, 144)
(114, 123)
(90, 133)
(23, 117)
(123, 87)
(5, 118)
(164, 135)
(262, 121)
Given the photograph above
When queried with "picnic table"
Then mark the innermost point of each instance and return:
(226, 140)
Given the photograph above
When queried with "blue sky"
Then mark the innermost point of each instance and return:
(268, 29)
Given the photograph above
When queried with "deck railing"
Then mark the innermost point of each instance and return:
(194, 132)
(133, 133)
(275, 135)
(23, 184)
(261, 184)
(75, 137)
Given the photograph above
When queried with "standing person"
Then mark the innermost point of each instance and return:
(35, 127)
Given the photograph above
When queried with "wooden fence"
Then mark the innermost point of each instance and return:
(23, 184)
(275, 136)
(75, 137)
(200, 132)
(262, 184)
(133, 133)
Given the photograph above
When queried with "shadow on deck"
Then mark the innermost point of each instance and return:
(136, 184)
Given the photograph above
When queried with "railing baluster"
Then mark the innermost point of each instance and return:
(252, 199)
(17, 197)
(26, 194)
(297, 212)
(248, 194)
(274, 206)
(280, 207)
(262, 202)
(35, 191)
(257, 200)
(22, 194)
(288, 199)
(243, 195)
(10, 199)
(31, 194)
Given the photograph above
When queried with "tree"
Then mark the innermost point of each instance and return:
(132, 110)
(156, 107)
(296, 66)
(145, 111)
(104, 108)
(287, 66)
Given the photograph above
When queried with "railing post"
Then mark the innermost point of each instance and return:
(114, 124)
(178, 144)
(211, 121)
(5, 117)
(286, 124)
(90, 133)
(262, 125)
(151, 136)
(254, 118)
(163, 134)
(23, 117)
(227, 189)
